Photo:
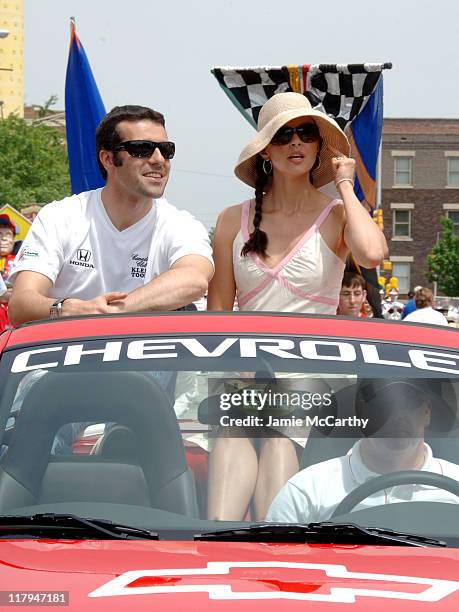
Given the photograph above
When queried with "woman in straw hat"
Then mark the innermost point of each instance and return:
(285, 250)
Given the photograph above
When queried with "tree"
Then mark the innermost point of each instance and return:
(33, 163)
(443, 261)
(45, 110)
(211, 233)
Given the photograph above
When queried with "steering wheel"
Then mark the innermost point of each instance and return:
(394, 479)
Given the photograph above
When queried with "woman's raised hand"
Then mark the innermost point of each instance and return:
(343, 168)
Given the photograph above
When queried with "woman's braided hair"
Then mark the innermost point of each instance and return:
(258, 239)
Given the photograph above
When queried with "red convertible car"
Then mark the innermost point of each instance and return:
(213, 460)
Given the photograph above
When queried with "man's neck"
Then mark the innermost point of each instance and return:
(122, 210)
(382, 460)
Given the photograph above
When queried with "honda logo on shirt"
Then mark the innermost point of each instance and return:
(82, 258)
(83, 255)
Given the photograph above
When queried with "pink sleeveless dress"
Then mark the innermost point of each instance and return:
(307, 280)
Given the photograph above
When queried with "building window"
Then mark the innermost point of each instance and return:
(454, 216)
(402, 171)
(401, 270)
(401, 224)
(453, 172)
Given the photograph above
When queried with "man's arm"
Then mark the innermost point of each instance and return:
(29, 300)
(186, 281)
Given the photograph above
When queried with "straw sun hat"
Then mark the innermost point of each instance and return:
(276, 112)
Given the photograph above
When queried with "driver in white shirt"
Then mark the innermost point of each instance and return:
(399, 411)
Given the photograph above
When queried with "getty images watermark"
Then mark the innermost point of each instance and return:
(284, 403)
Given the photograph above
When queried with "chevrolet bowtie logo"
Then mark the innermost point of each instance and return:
(277, 580)
(83, 255)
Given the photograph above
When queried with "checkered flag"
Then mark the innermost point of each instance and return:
(250, 88)
(340, 90)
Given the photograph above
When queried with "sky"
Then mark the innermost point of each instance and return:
(160, 54)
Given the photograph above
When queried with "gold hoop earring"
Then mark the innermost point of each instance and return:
(267, 169)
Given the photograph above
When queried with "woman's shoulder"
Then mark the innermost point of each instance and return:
(234, 212)
(229, 219)
(337, 210)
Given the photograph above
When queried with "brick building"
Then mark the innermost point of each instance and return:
(420, 184)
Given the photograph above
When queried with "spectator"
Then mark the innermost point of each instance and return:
(122, 248)
(425, 312)
(372, 306)
(410, 306)
(7, 233)
(352, 295)
(373, 301)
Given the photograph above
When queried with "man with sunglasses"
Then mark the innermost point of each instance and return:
(122, 248)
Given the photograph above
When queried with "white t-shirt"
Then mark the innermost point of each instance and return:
(427, 315)
(74, 243)
(314, 493)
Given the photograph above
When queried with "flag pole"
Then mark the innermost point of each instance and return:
(379, 189)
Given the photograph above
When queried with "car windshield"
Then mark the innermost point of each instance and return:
(193, 433)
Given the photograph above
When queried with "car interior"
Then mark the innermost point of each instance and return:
(141, 457)
(156, 475)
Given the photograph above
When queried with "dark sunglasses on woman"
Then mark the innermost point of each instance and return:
(146, 148)
(307, 132)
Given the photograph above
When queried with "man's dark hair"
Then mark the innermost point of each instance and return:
(353, 279)
(107, 135)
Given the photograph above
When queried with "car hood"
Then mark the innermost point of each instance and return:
(174, 575)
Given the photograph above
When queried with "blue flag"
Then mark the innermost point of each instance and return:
(365, 137)
(83, 111)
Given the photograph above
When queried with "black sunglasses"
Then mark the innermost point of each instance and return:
(307, 132)
(146, 148)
